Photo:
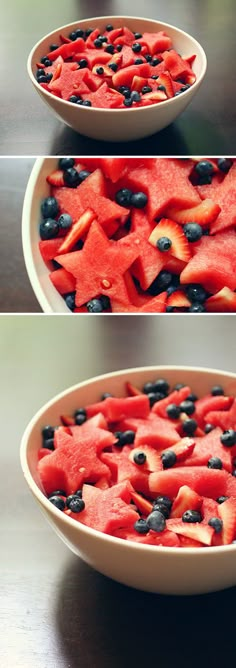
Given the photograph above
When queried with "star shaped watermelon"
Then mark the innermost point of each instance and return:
(150, 261)
(123, 469)
(107, 510)
(100, 266)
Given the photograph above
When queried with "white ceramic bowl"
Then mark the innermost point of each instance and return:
(166, 570)
(120, 124)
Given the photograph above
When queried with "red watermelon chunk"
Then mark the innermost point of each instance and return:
(63, 281)
(226, 198)
(49, 248)
(210, 446)
(227, 513)
(165, 538)
(223, 301)
(210, 403)
(209, 509)
(225, 419)
(107, 510)
(178, 68)
(175, 397)
(123, 469)
(67, 50)
(158, 433)
(204, 481)
(68, 82)
(214, 265)
(156, 42)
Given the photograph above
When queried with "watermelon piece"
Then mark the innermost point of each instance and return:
(63, 281)
(158, 433)
(210, 446)
(68, 82)
(153, 460)
(67, 50)
(150, 261)
(165, 538)
(49, 248)
(186, 499)
(227, 513)
(123, 469)
(107, 510)
(226, 419)
(121, 408)
(210, 403)
(178, 68)
(198, 531)
(105, 97)
(209, 509)
(206, 482)
(175, 397)
(155, 42)
(223, 301)
(214, 264)
(226, 198)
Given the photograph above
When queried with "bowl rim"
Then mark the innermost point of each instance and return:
(56, 513)
(116, 111)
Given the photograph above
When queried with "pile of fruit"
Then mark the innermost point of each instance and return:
(142, 234)
(119, 69)
(157, 466)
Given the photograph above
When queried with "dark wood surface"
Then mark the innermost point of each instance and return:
(206, 127)
(55, 611)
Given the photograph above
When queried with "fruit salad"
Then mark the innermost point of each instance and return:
(142, 234)
(157, 466)
(119, 69)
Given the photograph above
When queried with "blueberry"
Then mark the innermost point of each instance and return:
(79, 33)
(185, 87)
(191, 516)
(80, 411)
(204, 167)
(196, 293)
(214, 463)
(135, 96)
(53, 47)
(78, 493)
(136, 47)
(40, 73)
(161, 88)
(49, 207)
(125, 90)
(164, 244)
(204, 180)
(110, 49)
(216, 523)
(66, 163)
(164, 500)
(74, 503)
(139, 200)
(192, 231)
(72, 36)
(222, 499)
(42, 79)
(179, 386)
(80, 419)
(224, 164)
(156, 61)
(123, 197)
(156, 521)
(189, 426)
(128, 102)
(71, 177)
(228, 438)
(137, 35)
(98, 43)
(109, 27)
(95, 306)
(173, 411)
(154, 76)
(99, 70)
(126, 438)
(48, 229)
(161, 385)
(162, 508)
(106, 395)
(70, 300)
(48, 443)
(83, 63)
(102, 38)
(148, 57)
(113, 67)
(88, 32)
(58, 502)
(192, 397)
(83, 174)
(187, 407)
(217, 391)
(140, 458)
(119, 47)
(138, 61)
(168, 458)
(146, 89)
(164, 279)
(48, 431)
(208, 427)
(197, 308)
(154, 397)
(65, 221)
(74, 99)
(58, 492)
(141, 526)
(45, 61)
(169, 309)
(148, 387)
(234, 473)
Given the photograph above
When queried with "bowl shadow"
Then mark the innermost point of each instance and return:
(103, 624)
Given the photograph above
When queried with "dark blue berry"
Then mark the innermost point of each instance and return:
(75, 503)
(137, 35)
(109, 27)
(208, 428)
(173, 411)
(192, 397)
(88, 32)
(154, 397)
(48, 443)
(123, 197)
(154, 76)
(164, 501)
(164, 279)
(146, 89)
(110, 49)
(106, 395)
(135, 96)
(48, 431)
(214, 463)
(58, 502)
(148, 57)
(66, 163)
(83, 174)
(98, 43)
(187, 407)
(70, 300)
(128, 102)
(204, 167)
(141, 526)
(140, 458)
(139, 200)
(164, 244)
(196, 293)
(100, 70)
(83, 63)
(161, 385)
(222, 499)
(113, 67)
(216, 523)
(48, 229)
(168, 458)
(49, 207)
(80, 419)
(148, 387)
(138, 61)
(191, 516)
(217, 391)
(42, 79)
(179, 386)
(162, 508)
(136, 47)
(119, 47)
(74, 99)
(192, 231)
(78, 493)
(106, 304)
(80, 411)
(228, 438)
(156, 61)
(65, 221)
(156, 521)
(161, 87)
(45, 61)
(40, 73)
(72, 36)
(95, 306)
(224, 164)
(126, 438)
(189, 426)
(196, 308)
(71, 177)
(79, 33)
(53, 47)
(125, 90)
(86, 103)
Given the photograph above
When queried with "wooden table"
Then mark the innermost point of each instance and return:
(206, 127)
(55, 611)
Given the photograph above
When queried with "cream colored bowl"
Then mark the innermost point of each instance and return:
(120, 124)
(166, 570)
